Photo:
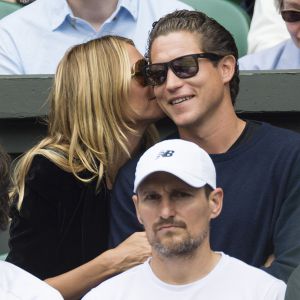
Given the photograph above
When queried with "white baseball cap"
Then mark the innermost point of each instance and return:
(183, 159)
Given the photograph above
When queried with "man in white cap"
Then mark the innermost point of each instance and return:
(176, 197)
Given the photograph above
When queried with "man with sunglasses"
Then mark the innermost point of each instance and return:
(195, 76)
(53, 26)
(285, 55)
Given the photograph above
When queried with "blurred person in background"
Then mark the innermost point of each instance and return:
(285, 55)
(53, 26)
(267, 27)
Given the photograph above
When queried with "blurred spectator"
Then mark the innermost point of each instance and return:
(285, 55)
(53, 26)
(16, 283)
(267, 28)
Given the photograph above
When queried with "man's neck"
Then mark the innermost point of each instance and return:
(217, 134)
(184, 270)
(96, 12)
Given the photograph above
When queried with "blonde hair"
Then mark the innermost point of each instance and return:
(88, 117)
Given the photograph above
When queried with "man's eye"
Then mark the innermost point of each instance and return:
(151, 197)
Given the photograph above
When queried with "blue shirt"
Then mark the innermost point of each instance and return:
(34, 38)
(285, 55)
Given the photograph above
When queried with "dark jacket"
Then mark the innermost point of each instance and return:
(62, 223)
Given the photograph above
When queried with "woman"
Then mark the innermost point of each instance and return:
(101, 114)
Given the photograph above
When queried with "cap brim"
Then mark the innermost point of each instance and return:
(182, 175)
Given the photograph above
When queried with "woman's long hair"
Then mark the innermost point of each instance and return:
(88, 118)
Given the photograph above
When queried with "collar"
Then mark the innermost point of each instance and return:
(59, 10)
(132, 6)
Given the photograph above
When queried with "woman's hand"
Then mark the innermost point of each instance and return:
(133, 251)
(75, 283)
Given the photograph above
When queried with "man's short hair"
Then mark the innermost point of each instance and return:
(4, 189)
(213, 37)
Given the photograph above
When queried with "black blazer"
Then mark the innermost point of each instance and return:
(62, 223)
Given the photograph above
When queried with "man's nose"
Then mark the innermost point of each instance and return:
(173, 82)
(167, 209)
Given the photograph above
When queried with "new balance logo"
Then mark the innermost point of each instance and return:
(167, 153)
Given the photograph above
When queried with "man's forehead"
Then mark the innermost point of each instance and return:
(161, 179)
(174, 44)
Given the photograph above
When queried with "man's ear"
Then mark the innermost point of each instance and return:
(216, 202)
(227, 66)
(136, 204)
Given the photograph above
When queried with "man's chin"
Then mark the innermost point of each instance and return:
(171, 245)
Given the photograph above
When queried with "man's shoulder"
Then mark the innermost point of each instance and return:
(129, 167)
(251, 276)
(118, 285)
(15, 281)
(281, 135)
(276, 137)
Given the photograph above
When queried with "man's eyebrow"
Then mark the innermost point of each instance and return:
(144, 191)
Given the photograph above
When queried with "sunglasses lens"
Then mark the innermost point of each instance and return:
(185, 67)
(290, 15)
(138, 71)
(156, 74)
(140, 65)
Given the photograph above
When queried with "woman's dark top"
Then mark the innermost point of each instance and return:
(62, 224)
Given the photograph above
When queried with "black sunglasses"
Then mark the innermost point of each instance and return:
(183, 67)
(290, 15)
(137, 71)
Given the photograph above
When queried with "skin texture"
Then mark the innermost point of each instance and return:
(93, 11)
(176, 218)
(293, 28)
